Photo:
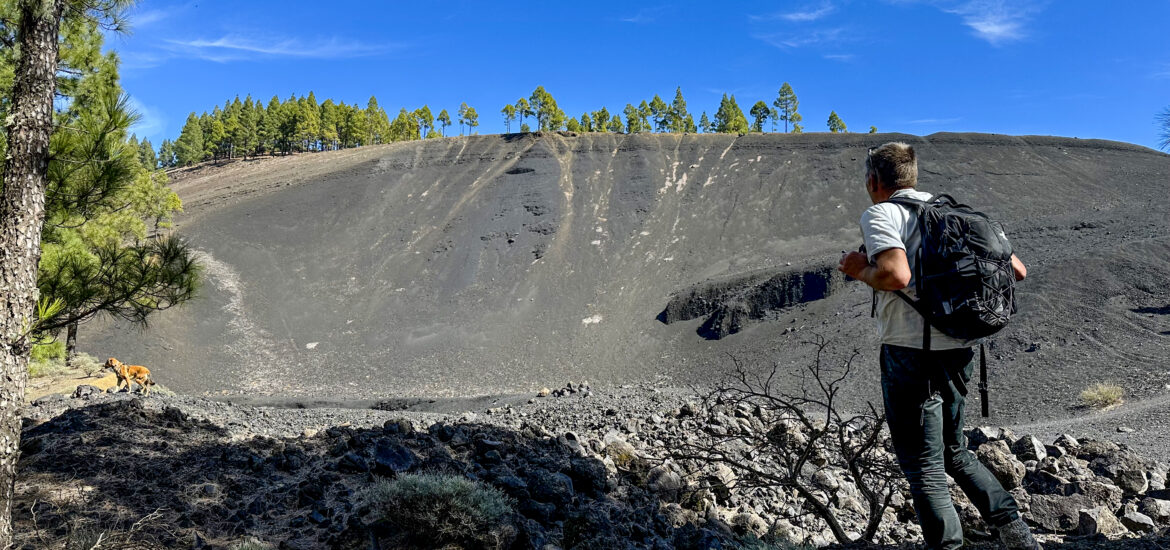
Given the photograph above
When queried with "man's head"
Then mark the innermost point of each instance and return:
(888, 168)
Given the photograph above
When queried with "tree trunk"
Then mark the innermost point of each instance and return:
(70, 344)
(22, 212)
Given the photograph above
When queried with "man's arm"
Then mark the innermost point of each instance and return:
(889, 271)
(1018, 268)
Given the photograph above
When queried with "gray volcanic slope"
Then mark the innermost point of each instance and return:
(497, 264)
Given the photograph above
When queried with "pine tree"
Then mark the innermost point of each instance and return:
(633, 119)
(835, 123)
(774, 115)
(472, 120)
(787, 103)
(615, 125)
(42, 72)
(573, 126)
(374, 132)
(523, 109)
(379, 124)
(601, 120)
(270, 127)
(189, 147)
(760, 113)
(677, 114)
(873, 129)
(586, 122)
(509, 112)
(705, 123)
(426, 120)
(166, 154)
(729, 118)
(644, 114)
(330, 119)
(308, 126)
(444, 121)
(462, 117)
(549, 117)
(147, 156)
(404, 127)
(658, 110)
(248, 138)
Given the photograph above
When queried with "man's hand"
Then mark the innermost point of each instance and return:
(852, 264)
(890, 270)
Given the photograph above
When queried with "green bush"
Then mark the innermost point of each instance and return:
(1102, 395)
(54, 350)
(440, 510)
(47, 359)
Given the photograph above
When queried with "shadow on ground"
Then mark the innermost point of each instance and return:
(172, 481)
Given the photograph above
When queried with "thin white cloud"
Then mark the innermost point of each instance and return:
(644, 15)
(809, 15)
(151, 121)
(237, 48)
(793, 40)
(799, 16)
(843, 57)
(146, 18)
(996, 21)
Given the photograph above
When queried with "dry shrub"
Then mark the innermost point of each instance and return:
(251, 544)
(88, 364)
(1102, 395)
(435, 511)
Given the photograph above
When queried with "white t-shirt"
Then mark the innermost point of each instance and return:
(884, 226)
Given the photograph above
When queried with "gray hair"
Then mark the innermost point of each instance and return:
(894, 164)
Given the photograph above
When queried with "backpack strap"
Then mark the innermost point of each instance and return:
(917, 206)
(983, 379)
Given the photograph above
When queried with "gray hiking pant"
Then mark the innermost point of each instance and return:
(925, 413)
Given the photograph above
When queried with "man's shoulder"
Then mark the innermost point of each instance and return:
(892, 210)
(880, 211)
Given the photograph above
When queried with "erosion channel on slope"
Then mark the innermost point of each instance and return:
(501, 264)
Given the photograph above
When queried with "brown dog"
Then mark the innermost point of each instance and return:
(131, 373)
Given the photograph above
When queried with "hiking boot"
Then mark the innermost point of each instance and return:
(1017, 536)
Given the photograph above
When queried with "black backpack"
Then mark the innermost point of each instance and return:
(964, 278)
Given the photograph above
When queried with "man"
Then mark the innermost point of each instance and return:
(923, 408)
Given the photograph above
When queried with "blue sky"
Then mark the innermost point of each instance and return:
(1071, 68)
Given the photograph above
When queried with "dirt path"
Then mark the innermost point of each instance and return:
(1149, 418)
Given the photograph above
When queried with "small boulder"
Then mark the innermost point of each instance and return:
(1138, 522)
(1099, 520)
(1029, 448)
(976, 437)
(997, 457)
(352, 462)
(85, 390)
(1066, 442)
(398, 426)
(1133, 482)
(391, 458)
(1058, 512)
(551, 487)
(664, 482)
(1156, 508)
(749, 523)
(589, 474)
